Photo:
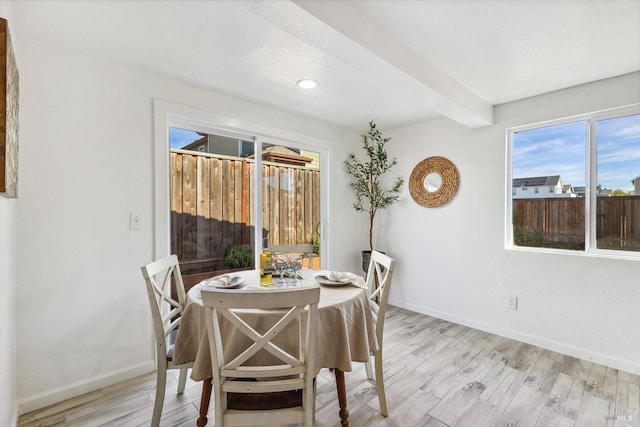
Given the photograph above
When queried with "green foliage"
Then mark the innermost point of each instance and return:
(527, 238)
(366, 177)
(240, 256)
(618, 192)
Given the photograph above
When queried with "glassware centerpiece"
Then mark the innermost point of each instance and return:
(281, 265)
(295, 264)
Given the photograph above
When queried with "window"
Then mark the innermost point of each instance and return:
(591, 165)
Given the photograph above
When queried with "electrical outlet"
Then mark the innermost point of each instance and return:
(512, 303)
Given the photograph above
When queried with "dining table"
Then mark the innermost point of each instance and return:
(345, 330)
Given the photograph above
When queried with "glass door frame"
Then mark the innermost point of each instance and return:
(168, 115)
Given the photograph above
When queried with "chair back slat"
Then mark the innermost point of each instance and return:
(262, 341)
(379, 277)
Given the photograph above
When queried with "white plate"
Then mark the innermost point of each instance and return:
(214, 282)
(322, 279)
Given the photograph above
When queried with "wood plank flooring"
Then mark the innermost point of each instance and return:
(438, 374)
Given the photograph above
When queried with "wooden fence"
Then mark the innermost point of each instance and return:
(212, 205)
(618, 223)
(560, 222)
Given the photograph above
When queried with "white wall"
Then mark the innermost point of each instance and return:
(452, 262)
(87, 161)
(8, 235)
(8, 221)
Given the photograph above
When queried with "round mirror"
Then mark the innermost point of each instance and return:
(432, 182)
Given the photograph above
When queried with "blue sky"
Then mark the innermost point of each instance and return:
(561, 150)
(178, 138)
(619, 152)
(556, 150)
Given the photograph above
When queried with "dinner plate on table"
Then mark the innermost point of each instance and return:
(323, 280)
(216, 282)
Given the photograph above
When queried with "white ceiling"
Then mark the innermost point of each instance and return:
(393, 61)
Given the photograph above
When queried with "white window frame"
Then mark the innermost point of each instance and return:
(168, 115)
(590, 183)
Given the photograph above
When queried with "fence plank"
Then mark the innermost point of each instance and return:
(176, 203)
(238, 224)
(203, 213)
(315, 195)
(189, 205)
(245, 189)
(273, 226)
(216, 206)
(228, 205)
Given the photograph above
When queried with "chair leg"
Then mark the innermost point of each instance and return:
(308, 402)
(382, 397)
(182, 380)
(315, 394)
(205, 399)
(220, 406)
(367, 366)
(161, 384)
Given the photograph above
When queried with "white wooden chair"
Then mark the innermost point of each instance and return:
(306, 249)
(235, 378)
(166, 313)
(378, 284)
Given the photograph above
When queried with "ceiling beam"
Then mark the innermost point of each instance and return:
(447, 96)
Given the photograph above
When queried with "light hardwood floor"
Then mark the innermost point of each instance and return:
(437, 374)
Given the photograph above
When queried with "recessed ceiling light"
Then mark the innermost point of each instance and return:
(307, 83)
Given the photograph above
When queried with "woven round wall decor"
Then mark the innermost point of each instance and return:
(449, 175)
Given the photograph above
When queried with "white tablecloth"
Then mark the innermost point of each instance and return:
(345, 328)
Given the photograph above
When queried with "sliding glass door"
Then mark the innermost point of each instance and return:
(224, 200)
(290, 195)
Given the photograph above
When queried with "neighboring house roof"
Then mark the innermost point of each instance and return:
(537, 181)
(280, 154)
(633, 181)
(580, 191)
(195, 144)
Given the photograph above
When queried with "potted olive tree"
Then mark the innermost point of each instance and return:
(367, 181)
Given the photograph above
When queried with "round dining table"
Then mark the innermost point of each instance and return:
(345, 331)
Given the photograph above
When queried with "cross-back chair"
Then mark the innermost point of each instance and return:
(166, 313)
(237, 379)
(306, 249)
(379, 277)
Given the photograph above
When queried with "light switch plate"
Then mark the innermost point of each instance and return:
(135, 221)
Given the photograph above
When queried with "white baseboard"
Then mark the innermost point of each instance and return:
(559, 347)
(49, 397)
